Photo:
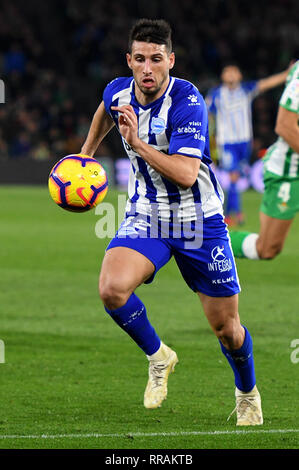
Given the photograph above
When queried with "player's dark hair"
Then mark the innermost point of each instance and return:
(147, 30)
(230, 63)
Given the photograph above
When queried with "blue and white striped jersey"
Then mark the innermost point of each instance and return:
(175, 123)
(232, 109)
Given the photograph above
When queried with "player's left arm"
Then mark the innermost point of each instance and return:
(179, 169)
(287, 127)
(288, 112)
(273, 81)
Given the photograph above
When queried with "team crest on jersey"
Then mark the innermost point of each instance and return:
(158, 125)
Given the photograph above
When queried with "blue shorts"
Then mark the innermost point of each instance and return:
(209, 268)
(233, 156)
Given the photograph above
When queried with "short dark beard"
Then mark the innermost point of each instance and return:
(154, 92)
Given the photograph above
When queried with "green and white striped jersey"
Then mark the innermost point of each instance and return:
(280, 158)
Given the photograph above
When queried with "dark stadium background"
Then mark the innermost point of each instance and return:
(57, 56)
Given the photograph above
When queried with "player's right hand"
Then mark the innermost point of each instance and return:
(128, 123)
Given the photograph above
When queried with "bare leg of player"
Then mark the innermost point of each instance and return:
(123, 270)
(236, 345)
(222, 314)
(273, 233)
(265, 245)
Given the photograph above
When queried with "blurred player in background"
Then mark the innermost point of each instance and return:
(230, 104)
(164, 127)
(281, 179)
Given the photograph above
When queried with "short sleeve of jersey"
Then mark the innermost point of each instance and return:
(108, 94)
(113, 89)
(189, 125)
(250, 88)
(290, 97)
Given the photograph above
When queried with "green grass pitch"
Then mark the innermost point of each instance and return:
(73, 379)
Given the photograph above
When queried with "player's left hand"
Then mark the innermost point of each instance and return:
(128, 123)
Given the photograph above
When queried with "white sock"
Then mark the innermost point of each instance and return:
(249, 246)
(159, 355)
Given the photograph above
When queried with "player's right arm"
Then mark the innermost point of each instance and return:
(101, 124)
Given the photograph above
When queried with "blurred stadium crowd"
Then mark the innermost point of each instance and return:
(56, 58)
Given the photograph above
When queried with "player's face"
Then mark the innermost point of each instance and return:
(231, 76)
(150, 64)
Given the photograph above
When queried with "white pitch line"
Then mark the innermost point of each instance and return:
(149, 434)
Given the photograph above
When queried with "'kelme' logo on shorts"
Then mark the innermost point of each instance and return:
(220, 262)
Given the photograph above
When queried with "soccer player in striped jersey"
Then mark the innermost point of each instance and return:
(281, 180)
(230, 104)
(174, 209)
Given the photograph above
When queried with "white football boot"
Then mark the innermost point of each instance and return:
(161, 364)
(248, 408)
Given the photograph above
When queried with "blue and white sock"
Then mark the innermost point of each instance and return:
(242, 362)
(132, 318)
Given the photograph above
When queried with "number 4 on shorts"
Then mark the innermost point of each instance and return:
(284, 192)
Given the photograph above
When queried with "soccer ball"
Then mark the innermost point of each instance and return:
(78, 183)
